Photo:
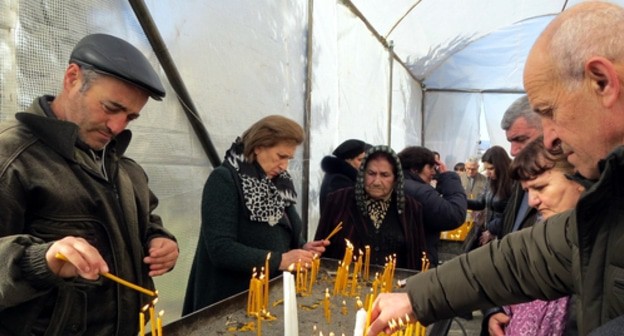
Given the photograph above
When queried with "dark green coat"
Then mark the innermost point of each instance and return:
(230, 245)
(577, 252)
(49, 189)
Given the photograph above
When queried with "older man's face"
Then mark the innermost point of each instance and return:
(519, 134)
(472, 169)
(571, 118)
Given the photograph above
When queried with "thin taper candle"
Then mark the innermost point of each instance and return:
(160, 323)
(119, 280)
(142, 320)
(334, 231)
(153, 316)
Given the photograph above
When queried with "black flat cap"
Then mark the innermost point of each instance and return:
(115, 57)
(350, 149)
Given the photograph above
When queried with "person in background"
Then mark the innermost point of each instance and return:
(573, 78)
(248, 211)
(436, 155)
(377, 213)
(459, 168)
(521, 126)
(494, 200)
(544, 177)
(341, 168)
(444, 207)
(474, 183)
(67, 190)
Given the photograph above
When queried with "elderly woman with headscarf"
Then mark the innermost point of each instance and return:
(376, 213)
(248, 211)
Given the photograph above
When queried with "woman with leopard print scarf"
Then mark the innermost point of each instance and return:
(377, 213)
(248, 211)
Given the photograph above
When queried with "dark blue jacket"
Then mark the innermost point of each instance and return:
(444, 207)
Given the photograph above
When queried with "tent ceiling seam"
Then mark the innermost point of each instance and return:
(379, 37)
(401, 18)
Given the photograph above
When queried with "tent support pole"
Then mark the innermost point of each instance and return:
(307, 122)
(161, 51)
(390, 88)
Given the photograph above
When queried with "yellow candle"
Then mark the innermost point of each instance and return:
(346, 261)
(251, 293)
(338, 278)
(259, 327)
(367, 262)
(153, 317)
(298, 277)
(326, 306)
(266, 281)
(119, 280)
(258, 297)
(142, 323)
(345, 279)
(314, 271)
(159, 322)
(354, 283)
(304, 280)
(369, 311)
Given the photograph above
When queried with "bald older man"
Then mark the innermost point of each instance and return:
(573, 78)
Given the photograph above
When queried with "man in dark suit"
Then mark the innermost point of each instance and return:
(521, 126)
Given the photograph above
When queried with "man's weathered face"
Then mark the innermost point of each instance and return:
(571, 118)
(472, 169)
(104, 109)
(519, 134)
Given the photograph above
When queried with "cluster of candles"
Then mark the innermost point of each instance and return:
(346, 284)
(156, 324)
(258, 295)
(406, 327)
(342, 273)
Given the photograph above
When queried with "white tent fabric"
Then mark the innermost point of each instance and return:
(326, 64)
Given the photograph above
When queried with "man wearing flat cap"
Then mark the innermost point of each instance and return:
(341, 168)
(74, 207)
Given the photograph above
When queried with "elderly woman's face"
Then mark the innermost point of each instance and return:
(379, 178)
(274, 160)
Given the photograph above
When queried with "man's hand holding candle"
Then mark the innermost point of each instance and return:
(389, 306)
(83, 259)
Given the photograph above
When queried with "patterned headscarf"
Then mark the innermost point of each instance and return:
(265, 198)
(364, 203)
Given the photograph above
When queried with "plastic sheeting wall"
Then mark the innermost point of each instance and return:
(351, 93)
(37, 37)
(242, 60)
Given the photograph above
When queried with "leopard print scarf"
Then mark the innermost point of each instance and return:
(377, 209)
(265, 199)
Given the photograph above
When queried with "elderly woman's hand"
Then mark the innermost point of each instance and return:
(292, 257)
(317, 247)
